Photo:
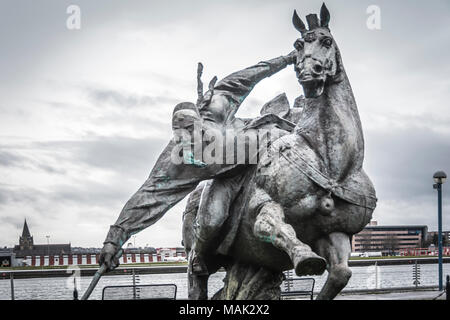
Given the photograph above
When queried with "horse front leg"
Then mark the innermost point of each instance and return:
(270, 226)
(336, 248)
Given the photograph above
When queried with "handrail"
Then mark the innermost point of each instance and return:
(141, 286)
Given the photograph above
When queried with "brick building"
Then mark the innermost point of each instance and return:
(389, 239)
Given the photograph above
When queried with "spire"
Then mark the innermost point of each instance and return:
(26, 232)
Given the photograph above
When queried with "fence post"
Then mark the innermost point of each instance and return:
(134, 284)
(11, 276)
(376, 275)
(75, 291)
(416, 274)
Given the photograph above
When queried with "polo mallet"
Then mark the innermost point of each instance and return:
(98, 274)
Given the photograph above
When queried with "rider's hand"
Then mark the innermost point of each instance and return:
(291, 57)
(109, 256)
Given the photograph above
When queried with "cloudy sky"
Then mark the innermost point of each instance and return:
(85, 113)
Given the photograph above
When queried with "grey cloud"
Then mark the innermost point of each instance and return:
(24, 195)
(130, 159)
(9, 159)
(133, 156)
(13, 221)
(127, 100)
(48, 201)
(402, 162)
(12, 159)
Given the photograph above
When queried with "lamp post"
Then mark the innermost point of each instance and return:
(439, 178)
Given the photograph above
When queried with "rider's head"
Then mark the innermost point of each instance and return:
(185, 106)
(184, 115)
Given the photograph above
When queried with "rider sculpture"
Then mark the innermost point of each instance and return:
(169, 182)
(296, 206)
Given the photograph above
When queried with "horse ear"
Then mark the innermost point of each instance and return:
(212, 83)
(324, 16)
(298, 23)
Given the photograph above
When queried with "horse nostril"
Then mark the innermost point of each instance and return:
(318, 68)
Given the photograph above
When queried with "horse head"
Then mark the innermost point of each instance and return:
(318, 61)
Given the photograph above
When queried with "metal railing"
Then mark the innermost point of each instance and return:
(140, 292)
(375, 278)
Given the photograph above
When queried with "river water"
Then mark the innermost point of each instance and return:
(60, 288)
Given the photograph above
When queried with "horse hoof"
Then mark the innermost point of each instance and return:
(309, 265)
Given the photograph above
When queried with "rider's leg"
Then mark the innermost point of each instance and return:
(270, 226)
(336, 249)
(214, 208)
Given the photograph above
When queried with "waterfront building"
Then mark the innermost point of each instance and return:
(38, 255)
(390, 240)
(433, 238)
(171, 252)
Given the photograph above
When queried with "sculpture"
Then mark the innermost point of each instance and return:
(171, 180)
(297, 207)
(309, 194)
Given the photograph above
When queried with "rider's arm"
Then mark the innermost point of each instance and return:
(237, 86)
(163, 189)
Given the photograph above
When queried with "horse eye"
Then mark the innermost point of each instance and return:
(298, 44)
(327, 42)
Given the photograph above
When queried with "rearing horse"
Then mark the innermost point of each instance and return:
(309, 194)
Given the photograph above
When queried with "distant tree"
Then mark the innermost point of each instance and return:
(391, 244)
(435, 239)
(445, 239)
(426, 242)
(366, 241)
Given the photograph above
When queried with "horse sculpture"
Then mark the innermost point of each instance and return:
(307, 195)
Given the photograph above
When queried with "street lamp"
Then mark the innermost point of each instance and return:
(439, 178)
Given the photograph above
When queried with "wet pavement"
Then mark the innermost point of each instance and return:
(410, 295)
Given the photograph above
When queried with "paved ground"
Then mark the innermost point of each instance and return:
(410, 295)
(405, 295)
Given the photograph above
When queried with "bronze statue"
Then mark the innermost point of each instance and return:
(295, 207)
(308, 195)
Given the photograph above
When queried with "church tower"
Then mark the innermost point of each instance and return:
(26, 240)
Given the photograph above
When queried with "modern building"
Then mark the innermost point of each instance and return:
(26, 246)
(389, 239)
(171, 252)
(433, 238)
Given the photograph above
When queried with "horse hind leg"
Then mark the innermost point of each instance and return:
(271, 227)
(336, 249)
